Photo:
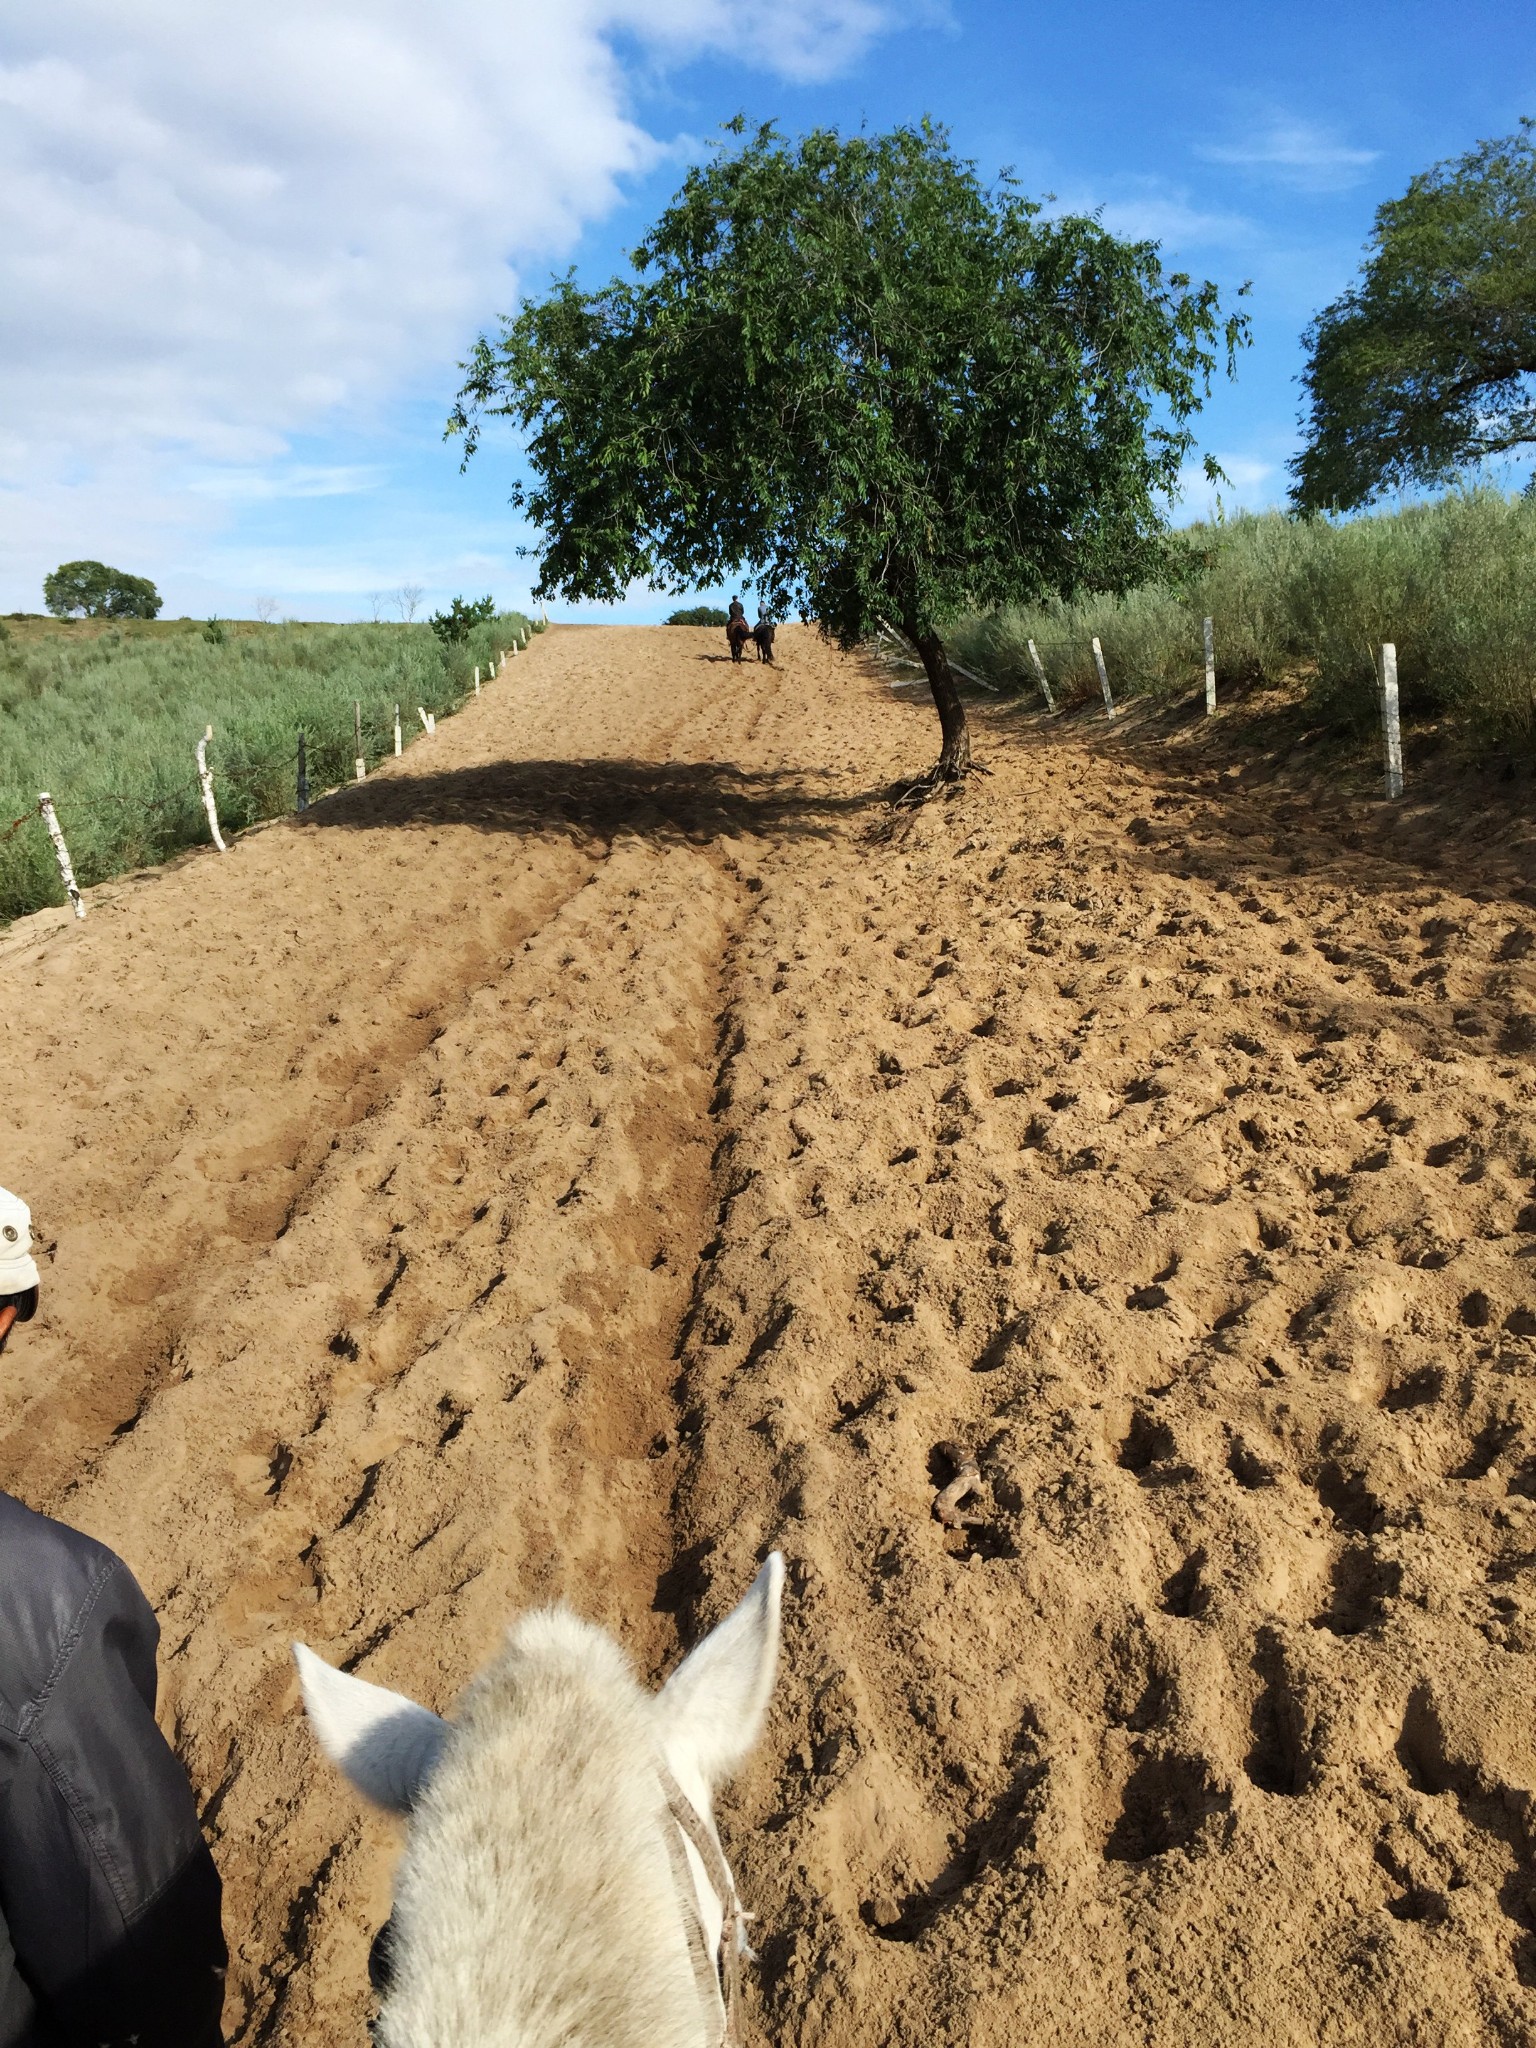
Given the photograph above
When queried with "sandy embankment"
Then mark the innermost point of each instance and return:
(610, 1142)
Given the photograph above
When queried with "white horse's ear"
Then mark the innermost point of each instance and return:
(379, 1740)
(714, 1703)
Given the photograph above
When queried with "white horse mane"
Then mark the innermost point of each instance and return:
(537, 1904)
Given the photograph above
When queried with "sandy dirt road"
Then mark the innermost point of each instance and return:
(612, 1142)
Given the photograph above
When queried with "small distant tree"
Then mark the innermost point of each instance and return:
(697, 615)
(91, 590)
(1428, 363)
(881, 389)
(266, 609)
(408, 601)
(461, 618)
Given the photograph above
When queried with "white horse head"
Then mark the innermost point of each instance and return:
(562, 1881)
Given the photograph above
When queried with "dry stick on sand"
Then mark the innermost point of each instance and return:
(967, 1480)
(1040, 676)
(60, 852)
(1391, 726)
(205, 780)
(1098, 656)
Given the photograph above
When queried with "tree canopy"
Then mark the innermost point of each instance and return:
(93, 591)
(1426, 364)
(461, 618)
(698, 615)
(881, 390)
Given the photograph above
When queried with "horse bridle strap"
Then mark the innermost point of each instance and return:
(719, 1981)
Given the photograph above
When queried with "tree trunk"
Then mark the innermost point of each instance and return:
(955, 755)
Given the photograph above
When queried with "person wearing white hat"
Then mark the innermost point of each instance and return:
(109, 1901)
(18, 1270)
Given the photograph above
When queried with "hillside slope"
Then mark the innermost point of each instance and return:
(611, 1141)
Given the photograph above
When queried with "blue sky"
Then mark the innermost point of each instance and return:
(238, 281)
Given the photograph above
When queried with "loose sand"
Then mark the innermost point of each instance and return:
(611, 1142)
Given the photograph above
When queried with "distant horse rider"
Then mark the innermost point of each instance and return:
(763, 633)
(737, 631)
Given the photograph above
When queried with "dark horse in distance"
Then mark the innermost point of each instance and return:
(763, 633)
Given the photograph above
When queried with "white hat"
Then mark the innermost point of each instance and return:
(17, 1271)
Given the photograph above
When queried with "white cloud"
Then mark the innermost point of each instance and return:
(222, 226)
(1296, 152)
(292, 480)
(1151, 214)
(805, 40)
(1252, 485)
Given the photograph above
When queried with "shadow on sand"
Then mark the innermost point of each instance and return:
(696, 800)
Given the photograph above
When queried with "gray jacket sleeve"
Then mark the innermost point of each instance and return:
(108, 1893)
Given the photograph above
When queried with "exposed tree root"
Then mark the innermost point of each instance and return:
(937, 781)
(967, 1480)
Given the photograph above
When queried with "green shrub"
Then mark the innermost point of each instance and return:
(109, 724)
(698, 615)
(462, 617)
(1452, 584)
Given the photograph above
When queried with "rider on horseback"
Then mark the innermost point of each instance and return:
(737, 631)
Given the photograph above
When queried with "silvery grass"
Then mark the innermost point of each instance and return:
(1452, 584)
(108, 723)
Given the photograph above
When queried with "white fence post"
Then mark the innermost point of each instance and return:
(205, 779)
(1045, 688)
(61, 852)
(360, 764)
(1098, 657)
(477, 679)
(398, 748)
(428, 722)
(1391, 728)
(302, 791)
(1210, 667)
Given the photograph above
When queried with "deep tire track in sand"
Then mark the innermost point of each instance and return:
(686, 1195)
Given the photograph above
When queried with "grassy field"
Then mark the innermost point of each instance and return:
(1451, 584)
(106, 717)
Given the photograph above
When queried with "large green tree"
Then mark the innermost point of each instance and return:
(1426, 364)
(882, 390)
(92, 590)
